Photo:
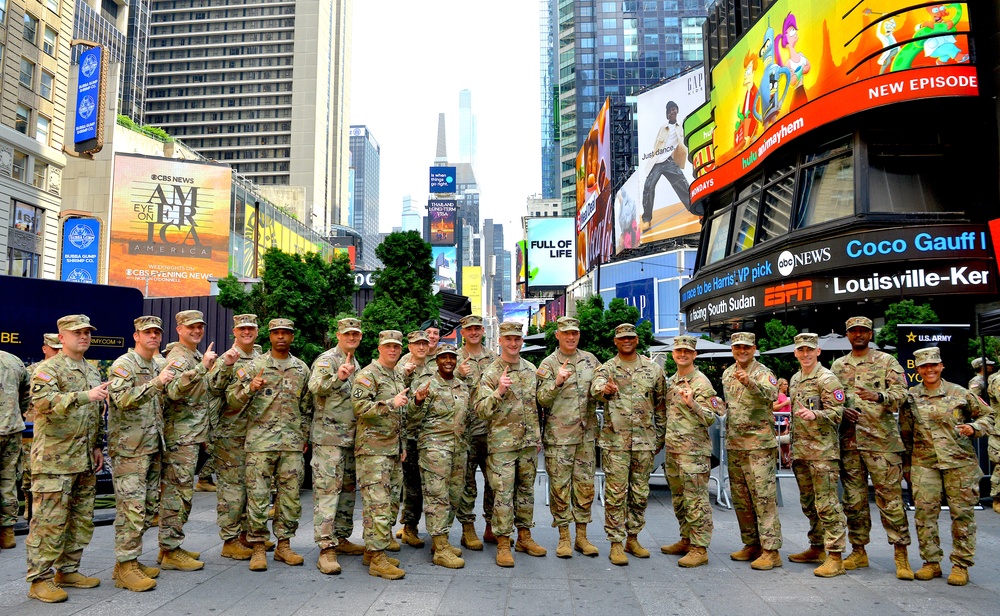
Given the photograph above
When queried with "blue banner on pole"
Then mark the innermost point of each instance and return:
(88, 95)
(80, 249)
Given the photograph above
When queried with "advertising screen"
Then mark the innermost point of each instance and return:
(81, 249)
(664, 174)
(169, 225)
(442, 213)
(551, 257)
(88, 95)
(442, 180)
(445, 265)
(628, 209)
(807, 63)
(594, 217)
(472, 287)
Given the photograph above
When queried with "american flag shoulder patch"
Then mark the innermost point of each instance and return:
(122, 372)
(365, 381)
(45, 376)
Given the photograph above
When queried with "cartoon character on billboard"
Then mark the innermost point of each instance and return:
(796, 61)
(941, 46)
(885, 32)
(746, 121)
(770, 84)
(671, 156)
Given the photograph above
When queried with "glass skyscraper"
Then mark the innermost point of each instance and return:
(366, 162)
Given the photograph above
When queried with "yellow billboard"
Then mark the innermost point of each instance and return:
(271, 232)
(472, 287)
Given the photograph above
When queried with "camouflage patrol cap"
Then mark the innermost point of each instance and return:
(568, 324)
(446, 349)
(245, 320)
(626, 330)
(686, 342)
(977, 363)
(930, 355)
(148, 322)
(52, 340)
(807, 340)
(418, 336)
(390, 336)
(859, 322)
(348, 325)
(511, 328)
(471, 320)
(274, 324)
(73, 322)
(190, 317)
(747, 338)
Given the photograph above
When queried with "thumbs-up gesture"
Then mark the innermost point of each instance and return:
(400, 399)
(804, 413)
(230, 356)
(563, 374)
(505, 383)
(741, 375)
(346, 369)
(258, 381)
(409, 368)
(464, 369)
(421, 394)
(209, 357)
(610, 388)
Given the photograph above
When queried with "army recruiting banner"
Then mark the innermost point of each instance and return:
(169, 225)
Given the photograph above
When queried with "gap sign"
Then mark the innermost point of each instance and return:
(88, 95)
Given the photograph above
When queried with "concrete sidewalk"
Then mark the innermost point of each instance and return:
(545, 586)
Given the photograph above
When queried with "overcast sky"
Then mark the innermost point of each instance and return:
(411, 59)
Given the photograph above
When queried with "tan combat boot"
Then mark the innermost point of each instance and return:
(857, 560)
(469, 537)
(410, 537)
(768, 559)
(150, 572)
(928, 572)
(832, 567)
(367, 559)
(179, 560)
(903, 571)
(815, 554)
(75, 579)
(285, 554)
(258, 562)
(344, 546)
(47, 592)
(696, 557)
(959, 576)
(565, 547)
(127, 575)
(205, 485)
(381, 567)
(633, 547)
(749, 552)
(163, 552)
(327, 562)
(268, 545)
(504, 557)
(617, 555)
(448, 546)
(680, 547)
(488, 536)
(7, 541)
(232, 548)
(583, 545)
(996, 504)
(527, 545)
(442, 554)
(393, 545)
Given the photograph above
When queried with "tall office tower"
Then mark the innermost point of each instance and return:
(133, 96)
(616, 49)
(466, 187)
(220, 77)
(365, 157)
(412, 219)
(492, 242)
(104, 22)
(508, 278)
(549, 81)
(466, 129)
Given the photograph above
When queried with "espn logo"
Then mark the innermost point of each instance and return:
(788, 293)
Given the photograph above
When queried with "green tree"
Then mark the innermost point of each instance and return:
(906, 311)
(777, 334)
(404, 296)
(976, 350)
(302, 287)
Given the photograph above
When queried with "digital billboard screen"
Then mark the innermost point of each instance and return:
(442, 214)
(551, 256)
(88, 95)
(595, 242)
(442, 179)
(81, 250)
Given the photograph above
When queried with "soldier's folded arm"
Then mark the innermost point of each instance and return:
(127, 395)
(48, 400)
(597, 384)
(182, 386)
(547, 389)
(895, 390)
(324, 381)
(238, 394)
(365, 404)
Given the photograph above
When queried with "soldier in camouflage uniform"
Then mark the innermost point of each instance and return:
(569, 434)
(437, 414)
(938, 421)
(817, 407)
(66, 455)
(50, 348)
(634, 392)
(752, 453)
(473, 358)
(415, 367)
(993, 450)
(979, 384)
(332, 437)
(506, 401)
(15, 395)
(274, 395)
(379, 408)
(869, 444)
(135, 440)
(692, 407)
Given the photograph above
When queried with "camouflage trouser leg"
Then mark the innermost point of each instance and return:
(62, 525)
(886, 471)
(176, 493)
(626, 491)
(817, 480)
(960, 486)
(137, 495)
(571, 482)
(380, 477)
(443, 476)
(231, 495)
(753, 484)
(283, 469)
(10, 456)
(413, 493)
(512, 475)
(688, 480)
(328, 483)
(25, 469)
(994, 454)
(209, 468)
(343, 527)
(477, 457)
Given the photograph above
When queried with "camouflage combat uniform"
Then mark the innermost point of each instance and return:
(634, 428)
(278, 417)
(333, 466)
(872, 446)
(752, 451)
(15, 396)
(379, 438)
(135, 442)
(942, 463)
(68, 427)
(689, 453)
(478, 450)
(569, 435)
(815, 455)
(412, 498)
(978, 386)
(513, 437)
(993, 450)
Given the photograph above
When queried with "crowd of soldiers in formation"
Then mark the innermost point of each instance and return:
(411, 431)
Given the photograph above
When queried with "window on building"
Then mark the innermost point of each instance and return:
(718, 233)
(610, 40)
(671, 22)
(587, 43)
(669, 5)
(40, 174)
(587, 26)
(27, 223)
(827, 191)
(609, 7)
(630, 7)
(586, 11)
(22, 116)
(53, 5)
(50, 44)
(693, 48)
(746, 217)
(110, 9)
(650, 39)
(20, 166)
(3, 11)
(609, 23)
(45, 86)
(649, 6)
(609, 55)
(27, 73)
(22, 263)
(30, 28)
(778, 196)
(42, 125)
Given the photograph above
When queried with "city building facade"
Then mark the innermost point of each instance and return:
(365, 163)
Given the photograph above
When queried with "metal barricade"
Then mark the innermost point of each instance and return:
(782, 431)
